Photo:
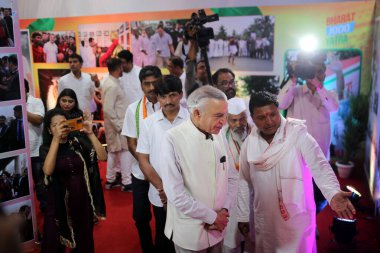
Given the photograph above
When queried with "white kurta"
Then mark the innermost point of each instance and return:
(197, 182)
(314, 108)
(272, 232)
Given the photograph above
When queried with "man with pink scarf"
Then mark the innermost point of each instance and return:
(278, 160)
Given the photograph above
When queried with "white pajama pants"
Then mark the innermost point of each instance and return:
(119, 161)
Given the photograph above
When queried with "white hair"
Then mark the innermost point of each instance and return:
(199, 98)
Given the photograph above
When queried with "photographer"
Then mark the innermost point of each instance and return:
(313, 103)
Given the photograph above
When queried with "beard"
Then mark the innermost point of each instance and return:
(240, 135)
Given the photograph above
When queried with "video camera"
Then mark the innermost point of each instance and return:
(302, 69)
(196, 24)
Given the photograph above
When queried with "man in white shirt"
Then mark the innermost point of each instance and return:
(51, 50)
(164, 46)
(175, 67)
(313, 103)
(35, 115)
(149, 149)
(198, 179)
(130, 82)
(235, 133)
(135, 114)
(82, 83)
(114, 107)
(272, 163)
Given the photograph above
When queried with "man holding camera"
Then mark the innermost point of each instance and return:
(313, 103)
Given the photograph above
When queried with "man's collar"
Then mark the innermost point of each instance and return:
(181, 114)
(72, 73)
(207, 135)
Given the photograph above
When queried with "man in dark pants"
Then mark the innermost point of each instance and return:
(136, 113)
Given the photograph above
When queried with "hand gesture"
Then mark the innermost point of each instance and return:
(94, 78)
(342, 205)
(221, 220)
(60, 130)
(87, 123)
(162, 195)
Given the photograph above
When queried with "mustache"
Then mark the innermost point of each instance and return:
(167, 105)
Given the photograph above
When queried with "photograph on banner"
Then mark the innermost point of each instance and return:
(153, 42)
(22, 215)
(247, 47)
(14, 181)
(53, 46)
(12, 132)
(48, 88)
(26, 60)
(98, 42)
(9, 78)
(6, 24)
(341, 68)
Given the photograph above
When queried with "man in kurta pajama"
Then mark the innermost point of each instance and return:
(272, 162)
(235, 133)
(197, 177)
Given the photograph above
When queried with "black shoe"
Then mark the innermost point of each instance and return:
(110, 185)
(126, 188)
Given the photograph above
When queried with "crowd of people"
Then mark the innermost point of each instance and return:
(49, 47)
(13, 185)
(217, 169)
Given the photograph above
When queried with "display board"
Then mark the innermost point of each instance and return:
(16, 184)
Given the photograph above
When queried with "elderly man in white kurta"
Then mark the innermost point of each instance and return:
(272, 162)
(235, 133)
(114, 107)
(198, 180)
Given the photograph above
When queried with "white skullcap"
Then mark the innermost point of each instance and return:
(236, 106)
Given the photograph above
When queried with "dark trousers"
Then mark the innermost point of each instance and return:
(142, 214)
(38, 178)
(163, 244)
(320, 201)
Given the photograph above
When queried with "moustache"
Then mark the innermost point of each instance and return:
(168, 105)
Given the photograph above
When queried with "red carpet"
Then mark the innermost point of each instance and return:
(117, 234)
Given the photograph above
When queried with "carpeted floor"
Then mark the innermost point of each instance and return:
(117, 234)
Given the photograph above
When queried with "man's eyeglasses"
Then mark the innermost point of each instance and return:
(225, 83)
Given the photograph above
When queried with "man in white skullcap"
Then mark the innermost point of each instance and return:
(235, 131)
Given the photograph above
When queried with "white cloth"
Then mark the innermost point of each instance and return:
(183, 101)
(149, 46)
(89, 58)
(136, 47)
(119, 161)
(197, 184)
(35, 106)
(130, 128)
(314, 108)
(162, 43)
(153, 130)
(130, 83)
(84, 88)
(51, 51)
(272, 232)
(236, 106)
(114, 107)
